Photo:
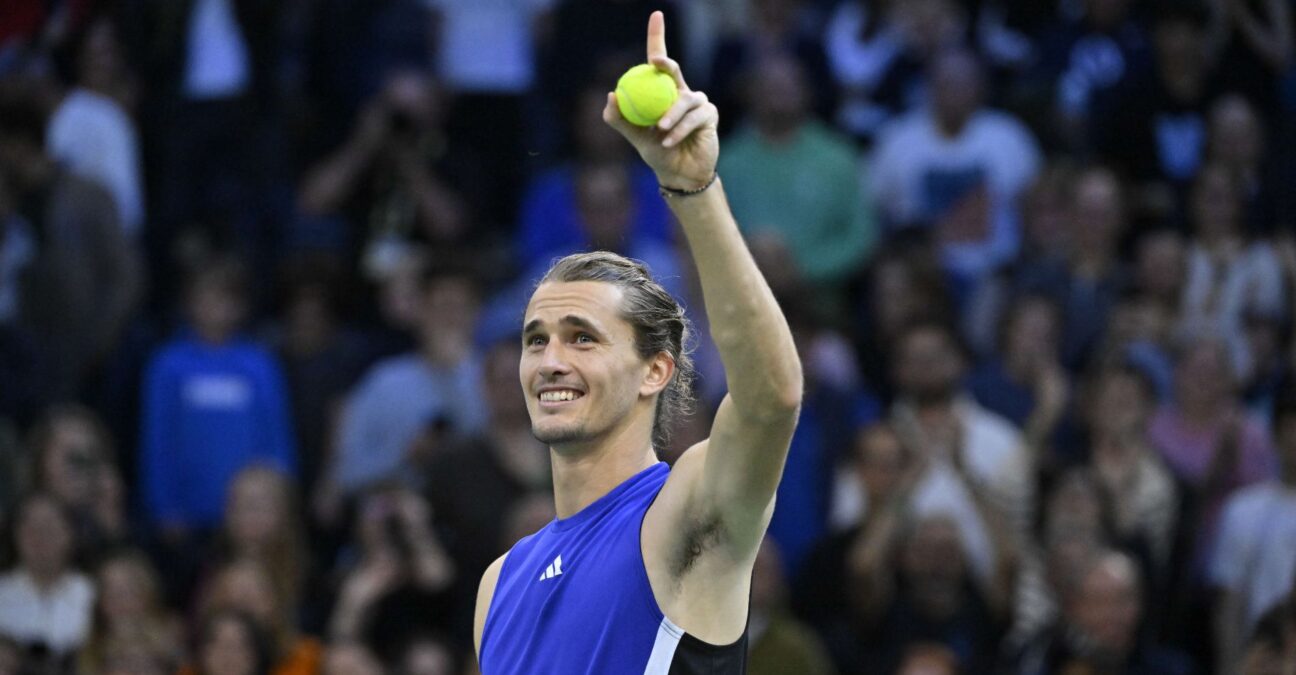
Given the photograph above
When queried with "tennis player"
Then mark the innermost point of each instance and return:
(647, 568)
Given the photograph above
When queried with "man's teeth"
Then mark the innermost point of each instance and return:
(559, 395)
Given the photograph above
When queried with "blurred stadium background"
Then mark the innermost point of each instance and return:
(262, 265)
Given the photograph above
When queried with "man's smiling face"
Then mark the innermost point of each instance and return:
(580, 370)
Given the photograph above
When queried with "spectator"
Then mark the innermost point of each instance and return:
(44, 601)
(347, 52)
(399, 302)
(214, 404)
(395, 579)
(790, 176)
(964, 444)
(1257, 47)
(322, 358)
(262, 522)
(231, 643)
(902, 286)
(551, 221)
(1088, 61)
(834, 405)
(91, 130)
(473, 483)
(957, 168)
(245, 586)
(776, 27)
(883, 472)
(1047, 215)
(1025, 383)
(917, 588)
(85, 278)
(1100, 627)
(1254, 563)
(1210, 443)
(1158, 132)
(1142, 321)
(212, 69)
(1140, 493)
(607, 216)
(877, 53)
(780, 643)
(1160, 267)
(1237, 140)
(74, 461)
(1094, 274)
(486, 54)
(1228, 275)
(1074, 526)
(439, 383)
(398, 177)
(131, 625)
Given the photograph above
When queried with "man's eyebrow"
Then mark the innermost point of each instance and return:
(570, 320)
(581, 322)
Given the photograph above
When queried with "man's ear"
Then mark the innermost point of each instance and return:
(661, 368)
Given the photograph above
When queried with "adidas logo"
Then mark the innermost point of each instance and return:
(554, 569)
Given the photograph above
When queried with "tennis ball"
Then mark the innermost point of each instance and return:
(644, 94)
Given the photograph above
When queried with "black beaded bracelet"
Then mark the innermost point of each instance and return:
(669, 192)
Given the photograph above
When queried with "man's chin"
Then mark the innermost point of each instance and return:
(558, 435)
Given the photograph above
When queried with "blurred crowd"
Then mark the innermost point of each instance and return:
(263, 264)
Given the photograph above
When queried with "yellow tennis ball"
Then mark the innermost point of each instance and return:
(644, 94)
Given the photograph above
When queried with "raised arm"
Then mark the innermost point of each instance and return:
(743, 460)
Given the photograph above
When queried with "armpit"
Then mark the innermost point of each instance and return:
(700, 535)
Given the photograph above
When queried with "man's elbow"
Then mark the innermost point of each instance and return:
(786, 395)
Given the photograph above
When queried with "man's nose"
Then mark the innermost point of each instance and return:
(554, 362)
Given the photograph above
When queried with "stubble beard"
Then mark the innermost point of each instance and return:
(571, 432)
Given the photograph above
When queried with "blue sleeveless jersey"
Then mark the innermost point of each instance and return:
(575, 598)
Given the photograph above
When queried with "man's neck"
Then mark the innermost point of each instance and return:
(582, 475)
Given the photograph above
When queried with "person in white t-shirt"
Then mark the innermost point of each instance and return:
(1254, 564)
(43, 599)
(957, 167)
(91, 130)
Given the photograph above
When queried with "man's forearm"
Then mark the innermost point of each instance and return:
(747, 326)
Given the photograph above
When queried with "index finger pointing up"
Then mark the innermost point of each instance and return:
(656, 35)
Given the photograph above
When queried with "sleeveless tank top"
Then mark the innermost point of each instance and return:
(575, 598)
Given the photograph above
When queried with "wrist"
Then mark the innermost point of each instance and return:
(683, 187)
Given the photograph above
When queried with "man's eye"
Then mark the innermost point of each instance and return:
(535, 340)
(584, 337)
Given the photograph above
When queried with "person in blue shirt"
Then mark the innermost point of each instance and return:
(214, 403)
(648, 568)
